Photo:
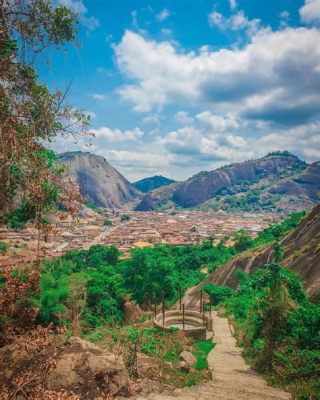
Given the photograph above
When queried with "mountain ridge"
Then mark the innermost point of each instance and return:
(100, 183)
(244, 186)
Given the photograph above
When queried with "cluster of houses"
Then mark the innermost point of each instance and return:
(138, 229)
(182, 229)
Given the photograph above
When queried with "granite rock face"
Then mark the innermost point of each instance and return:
(100, 183)
(84, 368)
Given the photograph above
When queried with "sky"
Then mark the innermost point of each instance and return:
(176, 87)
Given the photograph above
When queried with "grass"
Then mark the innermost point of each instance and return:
(165, 346)
(202, 349)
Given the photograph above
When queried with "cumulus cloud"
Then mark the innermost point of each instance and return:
(151, 119)
(138, 164)
(233, 4)
(193, 146)
(116, 135)
(276, 77)
(218, 123)
(163, 15)
(235, 22)
(310, 11)
(77, 6)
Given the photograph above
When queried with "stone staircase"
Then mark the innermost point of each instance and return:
(232, 378)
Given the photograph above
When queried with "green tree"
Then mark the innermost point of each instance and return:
(149, 273)
(30, 115)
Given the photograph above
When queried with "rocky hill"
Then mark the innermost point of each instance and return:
(154, 182)
(279, 181)
(100, 183)
(301, 255)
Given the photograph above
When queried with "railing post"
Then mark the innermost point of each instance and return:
(203, 315)
(183, 312)
(163, 308)
(180, 298)
(200, 301)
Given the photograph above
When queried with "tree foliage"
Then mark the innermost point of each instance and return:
(31, 116)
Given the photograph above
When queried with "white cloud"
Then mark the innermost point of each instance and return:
(98, 96)
(166, 31)
(91, 23)
(183, 118)
(196, 147)
(310, 11)
(233, 4)
(284, 14)
(77, 6)
(134, 20)
(138, 164)
(236, 141)
(235, 22)
(218, 123)
(163, 15)
(116, 135)
(151, 119)
(275, 78)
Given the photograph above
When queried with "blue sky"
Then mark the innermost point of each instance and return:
(175, 87)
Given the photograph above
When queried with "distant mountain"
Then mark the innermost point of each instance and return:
(279, 181)
(100, 183)
(154, 182)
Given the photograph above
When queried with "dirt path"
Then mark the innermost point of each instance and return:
(232, 378)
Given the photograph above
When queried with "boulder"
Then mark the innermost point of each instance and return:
(88, 370)
(150, 367)
(183, 366)
(188, 357)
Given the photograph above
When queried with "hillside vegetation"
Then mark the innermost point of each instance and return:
(278, 327)
(154, 182)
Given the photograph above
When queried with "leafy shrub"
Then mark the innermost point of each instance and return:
(4, 247)
(218, 293)
(202, 349)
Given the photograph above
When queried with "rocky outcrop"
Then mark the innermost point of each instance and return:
(278, 181)
(99, 182)
(301, 255)
(84, 368)
(37, 364)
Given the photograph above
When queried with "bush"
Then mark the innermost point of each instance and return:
(218, 293)
(4, 247)
(203, 348)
